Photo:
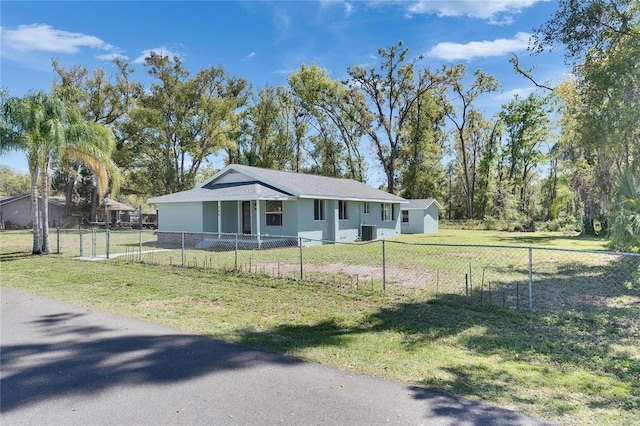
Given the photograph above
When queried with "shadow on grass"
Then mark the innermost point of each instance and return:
(14, 255)
(527, 238)
(516, 345)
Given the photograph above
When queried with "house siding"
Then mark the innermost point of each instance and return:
(230, 221)
(386, 228)
(289, 220)
(422, 221)
(416, 223)
(181, 217)
(210, 216)
(349, 229)
(310, 228)
(431, 219)
(17, 213)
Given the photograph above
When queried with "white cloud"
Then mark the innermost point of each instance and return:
(248, 57)
(486, 48)
(282, 20)
(112, 56)
(285, 71)
(495, 11)
(42, 37)
(162, 51)
(509, 95)
(348, 9)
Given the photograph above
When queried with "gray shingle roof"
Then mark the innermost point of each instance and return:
(249, 191)
(267, 183)
(420, 204)
(6, 199)
(314, 186)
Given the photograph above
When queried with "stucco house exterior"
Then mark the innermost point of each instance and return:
(420, 216)
(248, 200)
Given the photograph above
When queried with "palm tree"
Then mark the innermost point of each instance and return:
(625, 232)
(48, 127)
(21, 125)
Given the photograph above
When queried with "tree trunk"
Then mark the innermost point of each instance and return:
(45, 210)
(35, 214)
(68, 189)
(94, 205)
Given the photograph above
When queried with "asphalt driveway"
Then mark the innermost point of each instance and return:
(64, 364)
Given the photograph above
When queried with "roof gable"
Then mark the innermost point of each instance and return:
(421, 204)
(302, 185)
(7, 199)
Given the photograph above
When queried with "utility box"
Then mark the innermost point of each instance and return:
(369, 232)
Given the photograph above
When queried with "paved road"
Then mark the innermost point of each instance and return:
(64, 364)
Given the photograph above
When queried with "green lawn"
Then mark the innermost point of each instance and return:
(536, 239)
(574, 366)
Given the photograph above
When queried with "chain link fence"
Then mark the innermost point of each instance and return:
(508, 276)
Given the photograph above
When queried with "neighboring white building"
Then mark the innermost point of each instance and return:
(420, 216)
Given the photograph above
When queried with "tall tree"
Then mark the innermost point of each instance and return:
(461, 116)
(602, 40)
(48, 126)
(422, 173)
(391, 93)
(272, 131)
(489, 171)
(103, 99)
(526, 123)
(330, 111)
(180, 121)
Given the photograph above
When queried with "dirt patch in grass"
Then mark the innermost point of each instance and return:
(348, 274)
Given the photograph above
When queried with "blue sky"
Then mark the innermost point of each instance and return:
(264, 41)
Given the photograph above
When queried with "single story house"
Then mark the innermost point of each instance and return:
(420, 216)
(249, 200)
(15, 211)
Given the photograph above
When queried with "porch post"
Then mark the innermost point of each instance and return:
(219, 218)
(335, 220)
(258, 219)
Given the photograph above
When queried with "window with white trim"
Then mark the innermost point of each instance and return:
(343, 210)
(387, 212)
(318, 209)
(366, 207)
(273, 213)
(405, 217)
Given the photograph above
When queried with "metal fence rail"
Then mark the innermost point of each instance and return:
(519, 277)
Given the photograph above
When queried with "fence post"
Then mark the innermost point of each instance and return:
(81, 246)
(384, 267)
(93, 242)
(140, 245)
(466, 287)
(236, 251)
(182, 247)
(58, 242)
(301, 267)
(530, 278)
(108, 234)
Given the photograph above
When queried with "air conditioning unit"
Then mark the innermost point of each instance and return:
(369, 232)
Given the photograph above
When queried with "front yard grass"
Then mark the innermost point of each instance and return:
(574, 367)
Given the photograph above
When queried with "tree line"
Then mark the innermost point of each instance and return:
(567, 156)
